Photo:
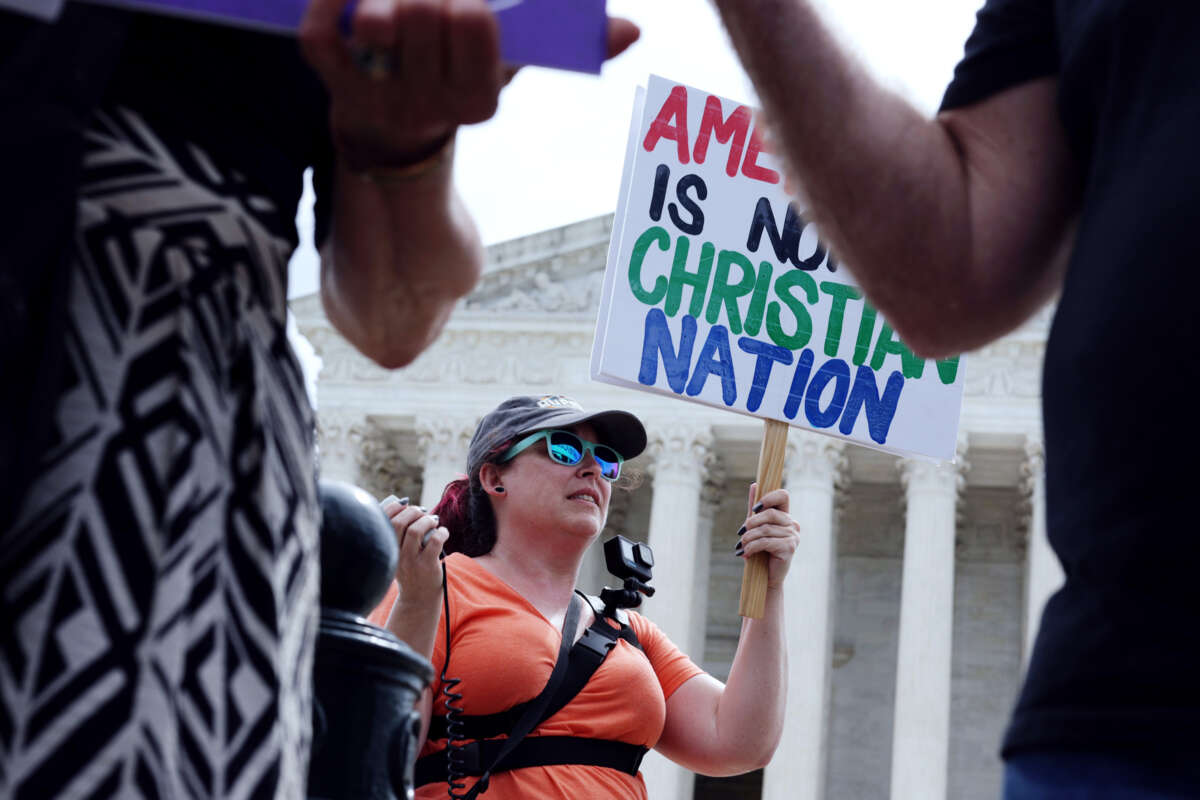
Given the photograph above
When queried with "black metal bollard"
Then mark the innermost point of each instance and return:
(366, 680)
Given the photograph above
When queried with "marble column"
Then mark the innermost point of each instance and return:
(712, 494)
(811, 475)
(1043, 572)
(921, 727)
(681, 456)
(443, 443)
(341, 435)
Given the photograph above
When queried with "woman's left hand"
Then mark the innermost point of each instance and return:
(770, 529)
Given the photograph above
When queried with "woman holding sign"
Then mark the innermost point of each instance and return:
(520, 652)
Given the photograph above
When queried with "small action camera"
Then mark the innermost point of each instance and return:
(632, 562)
(627, 559)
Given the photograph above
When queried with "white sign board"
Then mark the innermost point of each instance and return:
(719, 290)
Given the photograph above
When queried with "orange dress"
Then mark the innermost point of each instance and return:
(503, 650)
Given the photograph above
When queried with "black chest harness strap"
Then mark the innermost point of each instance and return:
(576, 664)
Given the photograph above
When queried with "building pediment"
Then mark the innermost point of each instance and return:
(560, 271)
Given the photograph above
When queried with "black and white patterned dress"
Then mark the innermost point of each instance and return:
(159, 586)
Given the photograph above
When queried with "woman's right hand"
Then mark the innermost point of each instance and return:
(420, 540)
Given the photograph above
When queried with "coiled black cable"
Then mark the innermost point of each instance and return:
(455, 764)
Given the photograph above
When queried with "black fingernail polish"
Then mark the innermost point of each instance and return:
(403, 501)
(757, 508)
(737, 551)
(741, 530)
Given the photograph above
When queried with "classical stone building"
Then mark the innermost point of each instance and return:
(910, 605)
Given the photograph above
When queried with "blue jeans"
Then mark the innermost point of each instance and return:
(1099, 776)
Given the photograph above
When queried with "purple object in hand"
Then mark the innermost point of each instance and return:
(277, 16)
(567, 34)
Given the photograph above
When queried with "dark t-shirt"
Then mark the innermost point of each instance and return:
(1116, 664)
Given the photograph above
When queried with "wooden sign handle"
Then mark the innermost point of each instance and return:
(770, 478)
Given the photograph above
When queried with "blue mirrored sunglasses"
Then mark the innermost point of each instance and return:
(568, 449)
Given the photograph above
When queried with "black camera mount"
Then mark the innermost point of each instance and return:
(632, 562)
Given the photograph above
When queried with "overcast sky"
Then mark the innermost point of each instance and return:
(552, 154)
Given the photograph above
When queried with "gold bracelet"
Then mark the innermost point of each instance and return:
(402, 174)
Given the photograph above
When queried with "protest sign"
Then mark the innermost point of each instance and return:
(549, 33)
(719, 290)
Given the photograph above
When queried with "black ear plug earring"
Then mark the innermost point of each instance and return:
(499, 490)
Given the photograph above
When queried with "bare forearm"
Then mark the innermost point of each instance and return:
(416, 626)
(910, 204)
(401, 255)
(727, 729)
(750, 711)
(403, 251)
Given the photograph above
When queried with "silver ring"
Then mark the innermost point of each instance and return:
(376, 63)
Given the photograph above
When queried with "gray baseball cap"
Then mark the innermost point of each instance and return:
(521, 415)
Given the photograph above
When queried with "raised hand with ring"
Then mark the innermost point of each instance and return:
(409, 73)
